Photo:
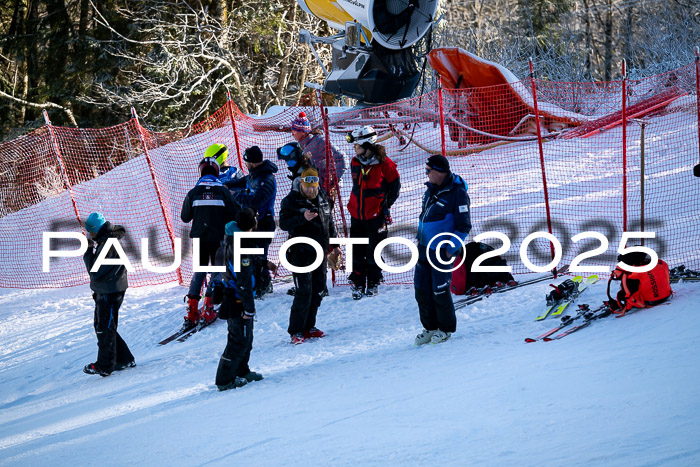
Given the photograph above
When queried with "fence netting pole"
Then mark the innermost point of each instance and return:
(542, 164)
(168, 225)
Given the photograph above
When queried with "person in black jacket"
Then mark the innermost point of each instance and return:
(108, 284)
(237, 307)
(258, 191)
(209, 206)
(306, 212)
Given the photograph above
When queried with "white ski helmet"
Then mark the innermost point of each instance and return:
(365, 134)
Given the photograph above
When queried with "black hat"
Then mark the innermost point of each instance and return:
(439, 163)
(245, 219)
(253, 154)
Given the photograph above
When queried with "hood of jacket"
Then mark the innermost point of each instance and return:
(265, 168)
(109, 230)
(452, 180)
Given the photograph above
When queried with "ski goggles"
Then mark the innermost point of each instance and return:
(310, 180)
(351, 139)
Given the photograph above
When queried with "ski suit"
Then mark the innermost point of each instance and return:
(209, 206)
(375, 188)
(108, 283)
(238, 294)
(445, 209)
(310, 285)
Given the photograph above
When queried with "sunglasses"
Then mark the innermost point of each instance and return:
(427, 171)
(310, 179)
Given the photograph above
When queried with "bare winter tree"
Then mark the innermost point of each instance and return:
(187, 55)
(575, 40)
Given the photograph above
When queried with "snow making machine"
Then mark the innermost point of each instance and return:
(373, 57)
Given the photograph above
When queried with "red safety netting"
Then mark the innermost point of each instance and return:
(577, 176)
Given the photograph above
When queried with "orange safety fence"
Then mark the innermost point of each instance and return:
(52, 178)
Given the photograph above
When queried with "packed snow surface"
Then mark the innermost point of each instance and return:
(621, 392)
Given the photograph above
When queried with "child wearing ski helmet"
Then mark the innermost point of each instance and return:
(375, 188)
(314, 143)
(209, 206)
(108, 284)
(219, 152)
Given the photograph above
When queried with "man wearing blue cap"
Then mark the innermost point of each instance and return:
(108, 283)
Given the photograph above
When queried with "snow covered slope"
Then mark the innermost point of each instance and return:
(621, 392)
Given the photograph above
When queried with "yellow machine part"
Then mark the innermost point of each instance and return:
(330, 12)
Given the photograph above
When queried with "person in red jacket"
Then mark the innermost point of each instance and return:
(375, 188)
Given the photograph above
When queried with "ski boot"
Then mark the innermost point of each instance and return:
(192, 317)
(298, 338)
(263, 290)
(440, 337)
(314, 333)
(93, 369)
(371, 291)
(208, 313)
(561, 292)
(424, 337)
(357, 291)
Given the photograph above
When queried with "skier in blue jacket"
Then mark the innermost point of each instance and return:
(445, 210)
(258, 191)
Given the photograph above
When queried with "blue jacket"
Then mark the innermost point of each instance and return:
(229, 173)
(257, 190)
(445, 209)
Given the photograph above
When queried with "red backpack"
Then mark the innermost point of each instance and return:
(640, 289)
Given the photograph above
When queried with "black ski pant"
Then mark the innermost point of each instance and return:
(432, 292)
(307, 299)
(262, 274)
(207, 256)
(234, 360)
(112, 349)
(364, 267)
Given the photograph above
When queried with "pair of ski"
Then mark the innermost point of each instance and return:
(489, 290)
(557, 308)
(584, 312)
(188, 330)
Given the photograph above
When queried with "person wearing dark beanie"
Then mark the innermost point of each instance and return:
(257, 191)
(438, 162)
(253, 155)
(445, 211)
